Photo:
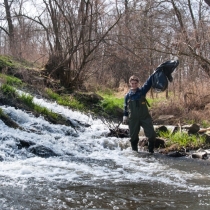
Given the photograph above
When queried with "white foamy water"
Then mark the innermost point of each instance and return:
(83, 154)
(86, 156)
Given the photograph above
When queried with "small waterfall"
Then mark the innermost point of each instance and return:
(61, 167)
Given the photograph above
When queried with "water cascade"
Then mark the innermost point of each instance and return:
(47, 166)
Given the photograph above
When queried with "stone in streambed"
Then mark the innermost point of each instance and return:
(42, 151)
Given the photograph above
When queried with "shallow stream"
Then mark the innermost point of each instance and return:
(91, 170)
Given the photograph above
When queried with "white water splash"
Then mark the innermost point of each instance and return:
(85, 156)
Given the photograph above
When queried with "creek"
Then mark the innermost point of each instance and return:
(91, 170)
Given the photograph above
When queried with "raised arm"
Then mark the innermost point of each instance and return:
(147, 85)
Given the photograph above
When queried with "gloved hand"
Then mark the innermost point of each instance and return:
(125, 120)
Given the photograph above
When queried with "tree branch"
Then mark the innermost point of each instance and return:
(207, 2)
(4, 30)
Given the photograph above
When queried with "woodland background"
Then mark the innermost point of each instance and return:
(89, 43)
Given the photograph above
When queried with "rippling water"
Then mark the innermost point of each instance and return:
(92, 171)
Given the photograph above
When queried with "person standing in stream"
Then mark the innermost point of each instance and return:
(136, 113)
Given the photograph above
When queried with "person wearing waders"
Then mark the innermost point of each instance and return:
(136, 113)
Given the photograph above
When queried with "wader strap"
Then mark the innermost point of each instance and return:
(147, 102)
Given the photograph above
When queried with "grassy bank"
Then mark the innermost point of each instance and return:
(109, 103)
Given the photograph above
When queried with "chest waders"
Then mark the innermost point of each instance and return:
(139, 117)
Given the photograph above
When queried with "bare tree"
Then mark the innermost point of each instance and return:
(89, 39)
(137, 45)
(10, 31)
(192, 39)
(74, 32)
(19, 35)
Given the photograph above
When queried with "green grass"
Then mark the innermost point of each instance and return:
(1, 112)
(28, 100)
(8, 90)
(66, 100)
(11, 62)
(6, 61)
(110, 102)
(183, 139)
(153, 101)
(14, 81)
(11, 81)
(189, 121)
(205, 124)
(45, 111)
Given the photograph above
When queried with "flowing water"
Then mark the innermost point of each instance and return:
(91, 170)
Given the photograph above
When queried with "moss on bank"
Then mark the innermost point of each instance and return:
(25, 101)
(7, 61)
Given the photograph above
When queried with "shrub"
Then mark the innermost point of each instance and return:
(183, 139)
(8, 90)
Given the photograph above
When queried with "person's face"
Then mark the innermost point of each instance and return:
(134, 84)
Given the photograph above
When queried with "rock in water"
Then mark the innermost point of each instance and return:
(42, 151)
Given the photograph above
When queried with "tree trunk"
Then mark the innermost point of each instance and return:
(10, 27)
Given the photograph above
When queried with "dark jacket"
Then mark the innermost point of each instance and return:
(141, 91)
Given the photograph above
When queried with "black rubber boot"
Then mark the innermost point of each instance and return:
(151, 145)
(134, 145)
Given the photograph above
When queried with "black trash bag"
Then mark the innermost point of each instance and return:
(162, 75)
(168, 67)
(159, 81)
